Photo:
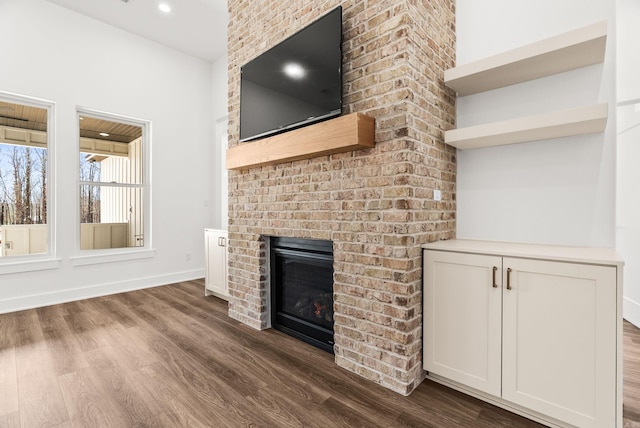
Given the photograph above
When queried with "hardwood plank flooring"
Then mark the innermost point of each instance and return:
(170, 357)
(631, 368)
(39, 398)
(8, 374)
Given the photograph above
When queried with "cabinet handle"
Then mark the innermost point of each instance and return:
(495, 269)
(508, 278)
(222, 241)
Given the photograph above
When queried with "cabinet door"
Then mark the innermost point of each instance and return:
(560, 340)
(462, 318)
(216, 262)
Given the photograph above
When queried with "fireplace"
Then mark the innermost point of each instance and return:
(376, 205)
(302, 289)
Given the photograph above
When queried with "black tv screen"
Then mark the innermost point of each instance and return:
(295, 83)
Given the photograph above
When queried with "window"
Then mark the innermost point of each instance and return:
(113, 181)
(25, 169)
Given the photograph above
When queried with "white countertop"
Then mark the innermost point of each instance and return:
(589, 255)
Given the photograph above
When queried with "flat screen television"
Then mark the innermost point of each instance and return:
(295, 83)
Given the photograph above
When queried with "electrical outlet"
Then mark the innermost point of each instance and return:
(437, 195)
(187, 257)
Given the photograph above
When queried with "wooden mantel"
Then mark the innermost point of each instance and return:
(353, 131)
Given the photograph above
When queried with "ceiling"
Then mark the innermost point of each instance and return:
(195, 27)
(23, 117)
(91, 127)
(35, 119)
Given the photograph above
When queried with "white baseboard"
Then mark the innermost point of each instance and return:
(631, 311)
(64, 296)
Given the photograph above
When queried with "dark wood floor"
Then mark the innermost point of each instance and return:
(170, 357)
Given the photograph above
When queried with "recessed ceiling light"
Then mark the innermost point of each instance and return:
(104, 134)
(164, 7)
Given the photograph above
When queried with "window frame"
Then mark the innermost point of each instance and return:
(95, 256)
(48, 260)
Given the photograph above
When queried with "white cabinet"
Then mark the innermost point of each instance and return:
(216, 252)
(534, 329)
(559, 341)
(462, 319)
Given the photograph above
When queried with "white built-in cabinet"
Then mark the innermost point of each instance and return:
(534, 329)
(568, 51)
(216, 254)
(463, 319)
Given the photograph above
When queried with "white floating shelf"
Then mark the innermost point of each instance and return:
(564, 52)
(564, 123)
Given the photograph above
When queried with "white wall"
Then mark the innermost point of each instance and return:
(628, 180)
(219, 77)
(558, 191)
(628, 57)
(52, 53)
(219, 173)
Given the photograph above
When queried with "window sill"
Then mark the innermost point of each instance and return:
(28, 265)
(92, 259)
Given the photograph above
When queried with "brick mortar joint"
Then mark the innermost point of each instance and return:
(244, 44)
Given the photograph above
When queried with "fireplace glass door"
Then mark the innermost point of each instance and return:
(302, 289)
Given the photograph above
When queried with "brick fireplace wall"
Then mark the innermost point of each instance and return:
(376, 205)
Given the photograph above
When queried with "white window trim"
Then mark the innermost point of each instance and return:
(36, 262)
(89, 257)
(29, 265)
(113, 255)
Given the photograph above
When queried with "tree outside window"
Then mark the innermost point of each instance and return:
(23, 178)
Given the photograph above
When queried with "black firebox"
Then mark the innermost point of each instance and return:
(302, 289)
